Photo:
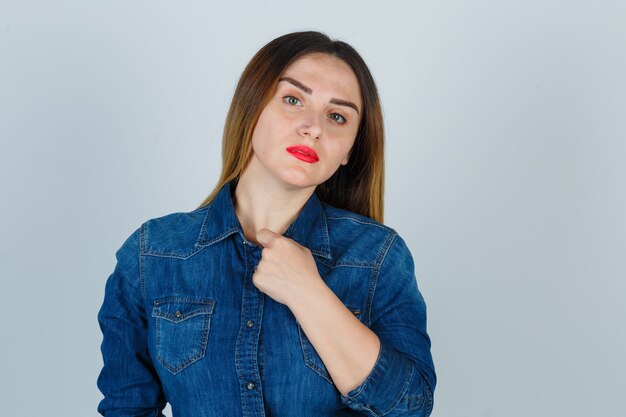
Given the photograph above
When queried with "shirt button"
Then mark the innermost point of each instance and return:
(178, 314)
(250, 385)
(250, 323)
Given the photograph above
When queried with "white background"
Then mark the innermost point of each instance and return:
(506, 154)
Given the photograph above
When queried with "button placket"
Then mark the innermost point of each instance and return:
(247, 350)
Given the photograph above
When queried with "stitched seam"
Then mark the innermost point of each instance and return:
(201, 349)
(238, 343)
(364, 407)
(171, 255)
(198, 248)
(194, 300)
(429, 395)
(373, 411)
(320, 253)
(414, 402)
(219, 237)
(361, 221)
(382, 256)
(349, 264)
(174, 319)
(379, 261)
(142, 280)
(261, 301)
(205, 223)
(325, 234)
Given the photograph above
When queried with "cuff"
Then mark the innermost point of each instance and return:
(384, 387)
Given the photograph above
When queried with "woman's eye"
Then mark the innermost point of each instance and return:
(337, 118)
(292, 100)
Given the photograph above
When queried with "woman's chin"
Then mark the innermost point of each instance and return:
(298, 178)
(298, 181)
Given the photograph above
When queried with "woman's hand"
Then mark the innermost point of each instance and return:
(287, 270)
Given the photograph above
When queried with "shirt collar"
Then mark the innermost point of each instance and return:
(309, 229)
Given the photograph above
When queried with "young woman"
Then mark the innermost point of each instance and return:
(283, 294)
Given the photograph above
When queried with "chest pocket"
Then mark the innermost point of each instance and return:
(311, 358)
(182, 330)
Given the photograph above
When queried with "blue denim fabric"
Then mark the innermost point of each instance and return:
(183, 322)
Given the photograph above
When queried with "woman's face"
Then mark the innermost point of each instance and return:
(308, 127)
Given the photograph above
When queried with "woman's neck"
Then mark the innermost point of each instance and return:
(267, 205)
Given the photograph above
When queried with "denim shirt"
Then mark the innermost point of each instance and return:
(182, 321)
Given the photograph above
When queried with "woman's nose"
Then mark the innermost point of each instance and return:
(311, 126)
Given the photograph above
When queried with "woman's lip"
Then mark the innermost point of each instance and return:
(304, 153)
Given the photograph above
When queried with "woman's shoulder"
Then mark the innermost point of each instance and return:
(337, 213)
(173, 234)
(357, 239)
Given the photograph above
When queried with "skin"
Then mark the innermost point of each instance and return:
(275, 186)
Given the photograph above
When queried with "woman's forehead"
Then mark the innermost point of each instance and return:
(318, 60)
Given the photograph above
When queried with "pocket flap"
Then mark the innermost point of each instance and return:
(177, 309)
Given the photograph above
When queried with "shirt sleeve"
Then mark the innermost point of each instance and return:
(128, 379)
(403, 378)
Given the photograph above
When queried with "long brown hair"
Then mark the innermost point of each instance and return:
(357, 186)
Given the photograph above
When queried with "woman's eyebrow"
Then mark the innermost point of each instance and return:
(346, 103)
(307, 90)
(296, 83)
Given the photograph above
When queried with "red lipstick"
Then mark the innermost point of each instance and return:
(303, 153)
